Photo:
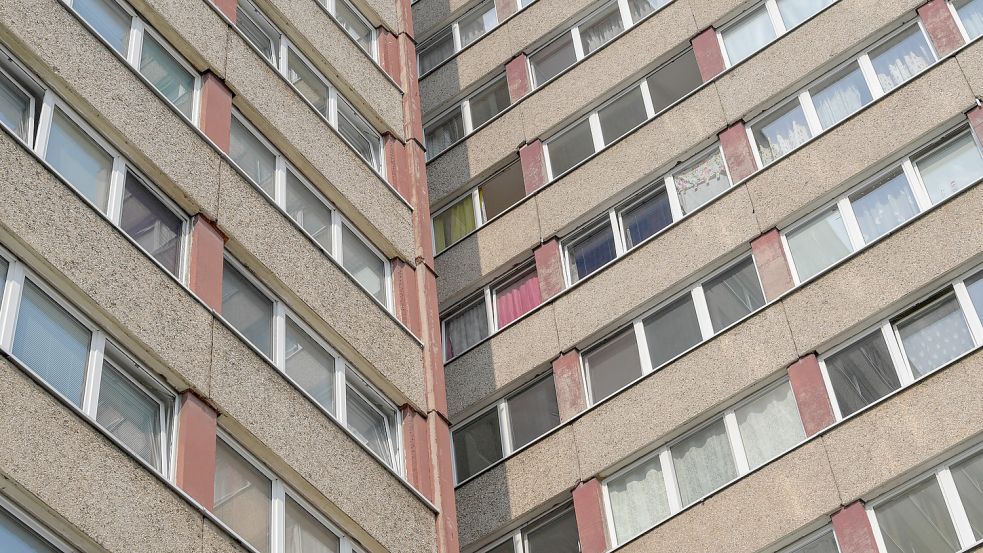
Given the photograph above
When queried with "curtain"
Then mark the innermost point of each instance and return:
(465, 329)
(646, 218)
(601, 29)
(638, 499)
(974, 285)
(936, 337)
(840, 99)
(782, 134)
(14, 108)
(819, 244)
(478, 24)
(304, 534)
(613, 365)
(453, 223)
(951, 168)
(445, 134)
(902, 60)
(968, 476)
(144, 218)
(733, 295)
(517, 299)
(641, 8)
(108, 18)
(128, 413)
(702, 181)
(918, 521)
(971, 15)
(884, 207)
(590, 254)
(862, 373)
(434, 53)
(770, 425)
(703, 462)
(477, 445)
(749, 35)
(672, 330)
(533, 411)
(310, 366)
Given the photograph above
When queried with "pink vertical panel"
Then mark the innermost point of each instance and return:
(941, 26)
(589, 508)
(518, 298)
(568, 378)
(533, 160)
(517, 77)
(737, 152)
(195, 456)
(709, 57)
(215, 119)
(810, 393)
(853, 531)
(773, 268)
(549, 268)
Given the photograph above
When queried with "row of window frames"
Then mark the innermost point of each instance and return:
(287, 189)
(553, 532)
(265, 35)
(279, 52)
(762, 24)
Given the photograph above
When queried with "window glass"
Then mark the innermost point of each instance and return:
(902, 58)
(770, 425)
(884, 205)
(109, 19)
(968, 476)
(507, 546)
(3, 269)
(368, 268)
(310, 366)
(146, 219)
(641, 8)
(840, 95)
(311, 87)
(358, 133)
(674, 80)
(733, 294)
(862, 373)
(570, 148)
(971, 15)
(823, 544)
(247, 309)
(129, 412)
(15, 108)
(243, 497)
(453, 223)
(796, 11)
(973, 284)
(553, 59)
(304, 534)
(442, 134)
(558, 535)
(622, 115)
(79, 159)
(591, 252)
(517, 298)
(477, 445)
(477, 23)
(701, 181)
(951, 168)
(16, 537)
(368, 419)
(258, 30)
(51, 342)
(818, 244)
(917, 520)
(354, 25)
(502, 191)
(781, 132)
(436, 50)
(638, 499)
(748, 35)
(533, 412)
(672, 330)
(601, 28)
(613, 365)
(253, 157)
(646, 218)
(308, 210)
(489, 102)
(465, 329)
(936, 336)
(703, 462)
(168, 76)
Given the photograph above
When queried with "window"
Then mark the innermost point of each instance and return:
(622, 115)
(766, 22)
(258, 30)
(20, 534)
(441, 134)
(823, 541)
(733, 294)
(247, 309)
(769, 425)
(819, 243)
(554, 532)
(553, 59)
(16, 107)
(901, 58)
(490, 199)
(675, 79)
(781, 132)
(359, 134)
(590, 251)
(489, 102)
(146, 51)
(353, 23)
(447, 42)
(613, 365)
(794, 12)
(454, 223)
(600, 28)
(465, 329)
(884, 205)
(477, 445)
(840, 95)
(476, 110)
(477, 23)
(935, 336)
(672, 330)
(638, 499)
(701, 180)
(951, 168)
(79, 159)
(368, 267)
(372, 419)
(862, 373)
(570, 148)
(311, 365)
(435, 50)
(253, 157)
(970, 14)
(645, 218)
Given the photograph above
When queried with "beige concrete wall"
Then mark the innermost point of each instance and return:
(432, 15)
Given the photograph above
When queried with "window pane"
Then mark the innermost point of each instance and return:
(15, 108)
(441, 135)
(917, 521)
(973, 284)
(533, 412)
(363, 263)
(489, 102)
(570, 148)
(146, 219)
(840, 95)
(368, 419)
(589, 254)
(902, 58)
(601, 28)
(971, 15)
(968, 476)
(435, 51)
(550, 61)
(358, 133)
(16, 537)
(3, 270)
(79, 159)
(781, 132)
(770, 425)
(818, 244)
(862, 373)
(243, 497)
(613, 365)
(646, 218)
(674, 80)
(477, 445)
(109, 19)
(556, 536)
(253, 157)
(308, 210)
(884, 205)
(641, 8)
(127, 411)
(672, 330)
(638, 499)
(502, 191)
(951, 168)
(477, 23)
(622, 115)
(355, 25)
(465, 329)
(748, 36)
(307, 82)
(506, 546)
(258, 30)
(453, 223)
(796, 11)
(310, 366)
(247, 309)
(823, 544)
(51, 343)
(733, 294)
(167, 75)
(701, 181)
(703, 462)
(305, 534)
(935, 337)
(517, 298)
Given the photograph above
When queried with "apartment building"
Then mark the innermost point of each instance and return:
(710, 272)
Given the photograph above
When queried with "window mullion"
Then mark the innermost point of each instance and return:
(754, 147)
(505, 425)
(702, 312)
(669, 476)
(117, 183)
(44, 124)
(619, 237)
(93, 373)
(905, 375)
(280, 182)
(479, 212)
(456, 36)
(809, 109)
(12, 289)
(736, 443)
(336, 250)
(278, 517)
(850, 222)
(675, 207)
(776, 17)
(643, 348)
(870, 76)
(647, 99)
(279, 335)
(972, 317)
(824, 371)
(917, 186)
(626, 21)
(341, 390)
(876, 528)
(957, 511)
(490, 312)
(135, 47)
(597, 136)
(788, 257)
(332, 106)
(466, 117)
(578, 47)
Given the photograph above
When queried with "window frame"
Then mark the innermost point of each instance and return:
(21, 515)
(33, 122)
(455, 31)
(519, 536)
(951, 4)
(331, 6)
(809, 539)
(777, 23)
(464, 107)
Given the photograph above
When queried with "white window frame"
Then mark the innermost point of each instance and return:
(951, 4)
(331, 6)
(588, 230)
(811, 538)
(455, 31)
(519, 536)
(21, 515)
(32, 122)
(466, 119)
(777, 23)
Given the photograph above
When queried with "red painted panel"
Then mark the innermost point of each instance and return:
(517, 76)
(533, 160)
(941, 26)
(589, 508)
(227, 7)
(207, 251)
(569, 381)
(195, 468)
(505, 9)
(416, 443)
(549, 266)
(773, 267)
(737, 152)
(810, 395)
(975, 117)
(709, 57)
(215, 119)
(853, 531)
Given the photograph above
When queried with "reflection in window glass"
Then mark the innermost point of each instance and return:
(570, 148)
(368, 419)
(902, 58)
(168, 76)
(918, 520)
(17, 537)
(818, 244)
(733, 294)
(646, 218)
(247, 309)
(354, 25)
(78, 159)
(769, 425)
(15, 108)
(533, 412)
(968, 476)
(311, 87)
(128, 412)
(601, 28)
(359, 134)
(243, 497)
(502, 191)
(304, 533)
(936, 336)
(701, 181)
(748, 35)
(703, 462)
(108, 18)
(951, 168)
(638, 499)
(465, 329)
(781, 132)
(796, 11)
(672, 330)
(145, 219)
(310, 366)
(477, 23)
(364, 264)
(489, 102)
(308, 210)
(641, 8)
(554, 58)
(252, 156)
(840, 95)
(453, 223)
(884, 205)
(862, 373)
(622, 115)
(674, 80)
(591, 252)
(442, 134)
(613, 365)
(971, 15)
(477, 445)
(258, 30)
(436, 50)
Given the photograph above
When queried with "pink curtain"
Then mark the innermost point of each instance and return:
(516, 299)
